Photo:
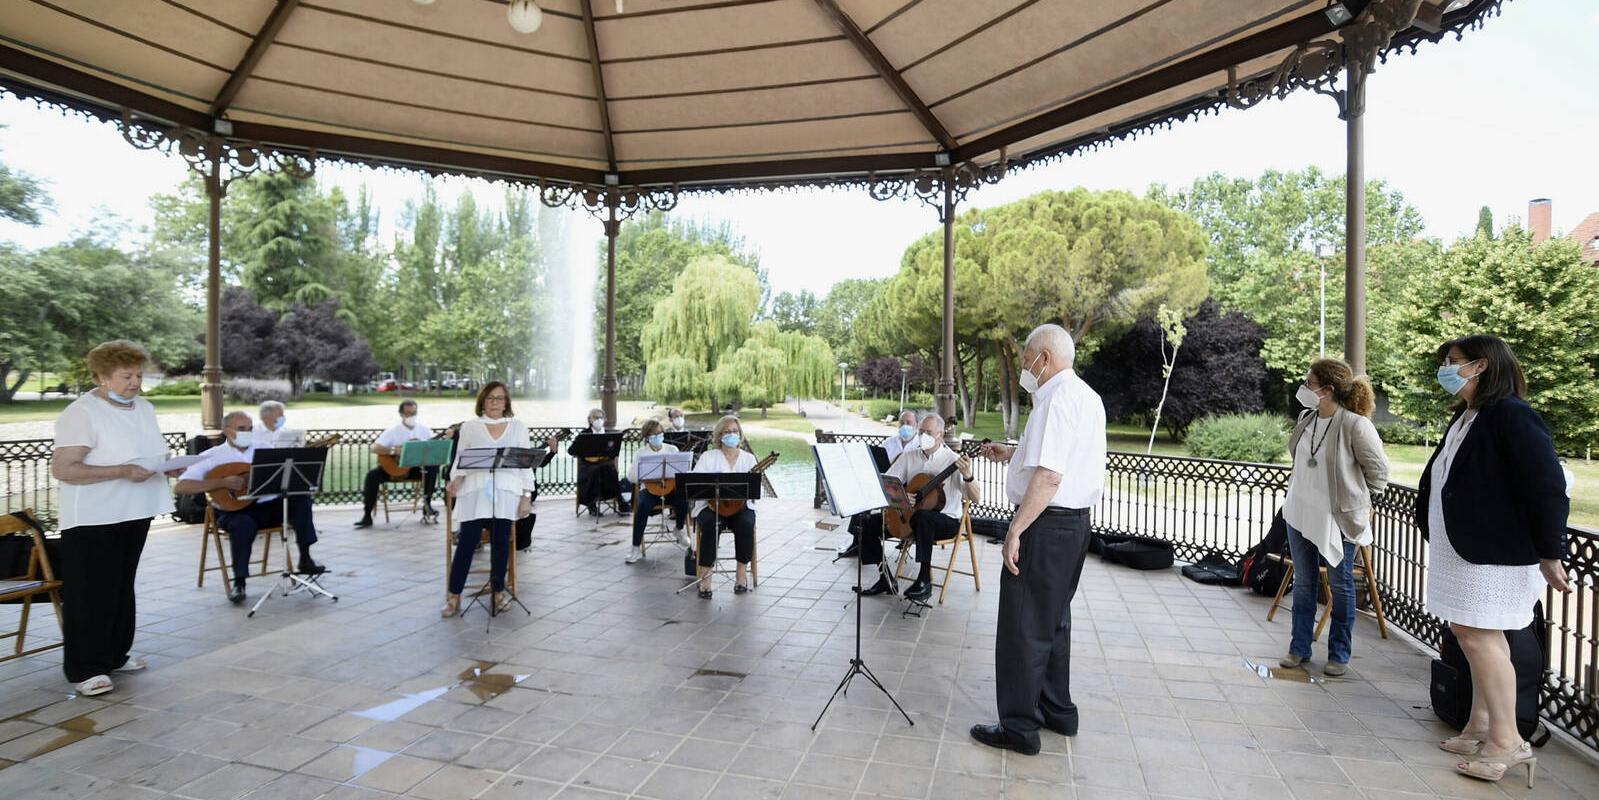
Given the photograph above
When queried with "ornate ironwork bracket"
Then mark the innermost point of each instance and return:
(599, 200)
(211, 155)
(927, 185)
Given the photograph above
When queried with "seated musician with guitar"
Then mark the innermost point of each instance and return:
(387, 448)
(242, 518)
(735, 514)
(597, 478)
(870, 524)
(650, 494)
(936, 479)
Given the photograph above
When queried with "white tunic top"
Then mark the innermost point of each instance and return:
(114, 436)
(714, 461)
(1064, 434)
(1308, 507)
(481, 497)
(1488, 596)
(916, 462)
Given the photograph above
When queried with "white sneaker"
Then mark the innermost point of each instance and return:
(682, 538)
(636, 556)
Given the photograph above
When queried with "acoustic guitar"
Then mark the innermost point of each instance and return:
(727, 508)
(924, 493)
(230, 500)
(391, 463)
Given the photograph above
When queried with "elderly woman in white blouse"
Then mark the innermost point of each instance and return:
(486, 499)
(107, 450)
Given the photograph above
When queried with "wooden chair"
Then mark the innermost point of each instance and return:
(663, 532)
(962, 534)
(727, 556)
(416, 494)
(483, 567)
(212, 535)
(39, 579)
(1365, 577)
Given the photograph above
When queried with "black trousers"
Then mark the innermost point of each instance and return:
(243, 525)
(376, 477)
(596, 482)
(1033, 642)
(97, 567)
(743, 527)
(645, 502)
(868, 530)
(927, 527)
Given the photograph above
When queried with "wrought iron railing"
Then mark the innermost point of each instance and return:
(1204, 507)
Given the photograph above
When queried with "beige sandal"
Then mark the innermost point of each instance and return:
(452, 606)
(1461, 745)
(501, 603)
(1493, 767)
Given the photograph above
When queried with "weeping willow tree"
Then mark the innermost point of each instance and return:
(703, 343)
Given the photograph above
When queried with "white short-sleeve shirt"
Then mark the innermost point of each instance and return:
(397, 435)
(713, 461)
(916, 462)
(894, 446)
(1064, 434)
(646, 451)
(223, 454)
(114, 436)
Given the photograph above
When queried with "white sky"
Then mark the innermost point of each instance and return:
(1501, 117)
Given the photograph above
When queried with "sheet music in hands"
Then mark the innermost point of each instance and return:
(851, 477)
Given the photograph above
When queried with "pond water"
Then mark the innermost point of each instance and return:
(794, 474)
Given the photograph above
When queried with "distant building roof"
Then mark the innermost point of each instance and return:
(1586, 235)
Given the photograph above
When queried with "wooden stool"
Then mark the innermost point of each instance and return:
(962, 534)
(1364, 576)
(39, 579)
(212, 534)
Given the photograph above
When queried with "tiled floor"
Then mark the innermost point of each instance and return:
(617, 686)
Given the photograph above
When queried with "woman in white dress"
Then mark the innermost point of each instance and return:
(1492, 503)
(487, 499)
(107, 449)
(1339, 465)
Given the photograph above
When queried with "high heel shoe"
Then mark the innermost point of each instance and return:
(500, 602)
(452, 606)
(1492, 767)
(1461, 745)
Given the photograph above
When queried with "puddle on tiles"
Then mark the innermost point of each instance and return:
(719, 673)
(79, 725)
(394, 709)
(62, 739)
(488, 685)
(1268, 672)
(4, 763)
(366, 759)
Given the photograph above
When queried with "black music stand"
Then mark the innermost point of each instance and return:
(853, 485)
(286, 472)
(495, 459)
(607, 446)
(714, 487)
(689, 441)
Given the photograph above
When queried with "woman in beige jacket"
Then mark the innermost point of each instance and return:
(1339, 465)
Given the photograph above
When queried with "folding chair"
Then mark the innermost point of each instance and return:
(213, 535)
(39, 579)
(663, 532)
(416, 494)
(1365, 577)
(963, 533)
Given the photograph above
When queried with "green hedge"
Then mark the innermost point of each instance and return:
(176, 389)
(1260, 438)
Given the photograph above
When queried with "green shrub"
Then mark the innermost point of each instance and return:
(693, 406)
(1259, 438)
(882, 409)
(176, 389)
(1408, 433)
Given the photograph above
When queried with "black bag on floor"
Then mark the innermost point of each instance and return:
(1099, 541)
(1140, 553)
(1261, 574)
(1215, 570)
(524, 531)
(1451, 678)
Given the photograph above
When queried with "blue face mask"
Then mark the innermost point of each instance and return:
(657, 440)
(109, 392)
(730, 440)
(1449, 378)
(906, 432)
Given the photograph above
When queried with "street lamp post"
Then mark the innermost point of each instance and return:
(904, 372)
(843, 422)
(1321, 264)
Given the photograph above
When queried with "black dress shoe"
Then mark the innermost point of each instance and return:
(705, 594)
(309, 567)
(365, 521)
(236, 594)
(1062, 728)
(881, 587)
(853, 551)
(739, 588)
(997, 736)
(920, 590)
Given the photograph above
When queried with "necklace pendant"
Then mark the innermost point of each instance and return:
(1313, 461)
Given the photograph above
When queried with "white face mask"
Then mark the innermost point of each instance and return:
(243, 439)
(1307, 397)
(677, 423)
(409, 422)
(926, 441)
(597, 424)
(1028, 380)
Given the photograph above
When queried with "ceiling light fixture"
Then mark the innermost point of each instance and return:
(524, 16)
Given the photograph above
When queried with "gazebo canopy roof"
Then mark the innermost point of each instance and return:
(694, 93)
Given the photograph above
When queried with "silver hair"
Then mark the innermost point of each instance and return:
(596, 412)
(916, 416)
(232, 415)
(1055, 340)
(269, 405)
(933, 415)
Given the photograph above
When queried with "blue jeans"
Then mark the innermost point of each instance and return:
(1307, 587)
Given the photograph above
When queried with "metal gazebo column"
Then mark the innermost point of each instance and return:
(613, 226)
(211, 374)
(945, 395)
(1353, 112)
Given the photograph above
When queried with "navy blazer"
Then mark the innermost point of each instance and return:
(1505, 499)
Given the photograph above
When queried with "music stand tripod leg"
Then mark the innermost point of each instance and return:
(857, 666)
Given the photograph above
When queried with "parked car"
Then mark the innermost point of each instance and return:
(388, 386)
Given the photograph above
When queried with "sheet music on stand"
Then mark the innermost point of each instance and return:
(850, 475)
(663, 466)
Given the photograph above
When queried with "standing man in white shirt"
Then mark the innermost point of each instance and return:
(389, 443)
(1056, 475)
(869, 525)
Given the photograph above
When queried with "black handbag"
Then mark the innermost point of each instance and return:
(1215, 570)
(1451, 679)
(1140, 553)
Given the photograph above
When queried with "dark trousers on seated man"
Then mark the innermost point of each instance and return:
(377, 476)
(243, 525)
(646, 502)
(927, 527)
(1033, 645)
(710, 526)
